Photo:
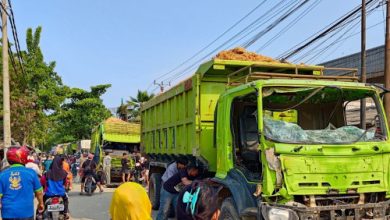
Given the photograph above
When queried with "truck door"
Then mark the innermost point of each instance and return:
(244, 127)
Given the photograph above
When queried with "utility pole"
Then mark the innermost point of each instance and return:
(387, 62)
(6, 90)
(363, 64)
(161, 85)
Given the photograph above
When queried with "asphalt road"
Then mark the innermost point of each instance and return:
(83, 207)
(89, 207)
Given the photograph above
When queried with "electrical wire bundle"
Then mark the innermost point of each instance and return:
(326, 41)
(11, 18)
(265, 22)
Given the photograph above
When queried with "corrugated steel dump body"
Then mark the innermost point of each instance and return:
(180, 121)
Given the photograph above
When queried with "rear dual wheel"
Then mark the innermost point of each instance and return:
(154, 190)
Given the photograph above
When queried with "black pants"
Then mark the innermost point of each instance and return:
(65, 198)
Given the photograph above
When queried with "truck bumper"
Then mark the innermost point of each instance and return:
(116, 173)
(378, 210)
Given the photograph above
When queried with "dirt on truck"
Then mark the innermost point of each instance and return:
(282, 139)
(116, 137)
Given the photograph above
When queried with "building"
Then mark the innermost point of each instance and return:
(374, 64)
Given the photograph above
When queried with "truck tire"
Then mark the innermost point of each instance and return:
(228, 210)
(154, 190)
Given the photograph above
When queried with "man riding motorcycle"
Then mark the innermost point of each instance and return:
(89, 168)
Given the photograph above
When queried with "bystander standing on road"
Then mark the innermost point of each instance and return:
(107, 168)
(125, 168)
(18, 185)
(145, 170)
(170, 192)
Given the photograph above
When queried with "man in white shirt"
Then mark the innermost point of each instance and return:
(107, 168)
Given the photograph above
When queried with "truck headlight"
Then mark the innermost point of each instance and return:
(278, 214)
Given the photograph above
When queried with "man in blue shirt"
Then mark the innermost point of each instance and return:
(18, 186)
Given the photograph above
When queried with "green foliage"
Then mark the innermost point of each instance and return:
(81, 111)
(131, 110)
(45, 111)
(35, 93)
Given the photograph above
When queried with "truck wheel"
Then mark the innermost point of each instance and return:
(228, 210)
(154, 190)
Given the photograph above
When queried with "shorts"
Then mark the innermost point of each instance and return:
(125, 171)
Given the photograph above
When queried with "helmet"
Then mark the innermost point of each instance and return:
(17, 154)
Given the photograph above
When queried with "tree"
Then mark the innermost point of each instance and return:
(135, 103)
(43, 109)
(123, 111)
(35, 93)
(80, 113)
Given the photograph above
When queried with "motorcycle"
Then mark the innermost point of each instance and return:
(138, 173)
(54, 209)
(89, 185)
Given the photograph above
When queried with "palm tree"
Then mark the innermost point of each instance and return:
(135, 103)
(123, 111)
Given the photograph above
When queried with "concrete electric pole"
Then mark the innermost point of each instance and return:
(363, 64)
(387, 62)
(6, 90)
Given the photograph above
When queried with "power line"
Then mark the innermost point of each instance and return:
(184, 71)
(220, 46)
(274, 24)
(255, 25)
(342, 40)
(345, 29)
(11, 55)
(212, 42)
(328, 30)
(14, 33)
(290, 25)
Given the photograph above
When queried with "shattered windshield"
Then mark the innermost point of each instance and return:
(321, 115)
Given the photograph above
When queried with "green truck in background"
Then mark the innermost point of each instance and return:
(281, 139)
(116, 137)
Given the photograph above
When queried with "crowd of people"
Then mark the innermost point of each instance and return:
(48, 176)
(182, 190)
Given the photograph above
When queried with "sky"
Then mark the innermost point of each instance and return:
(129, 43)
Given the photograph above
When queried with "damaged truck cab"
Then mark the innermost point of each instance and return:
(284, 141)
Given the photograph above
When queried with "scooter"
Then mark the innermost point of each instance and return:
(89, 185)
(54, 209)
(138, 173)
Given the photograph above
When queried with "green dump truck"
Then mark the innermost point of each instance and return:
(281, 139)
(115, 137)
